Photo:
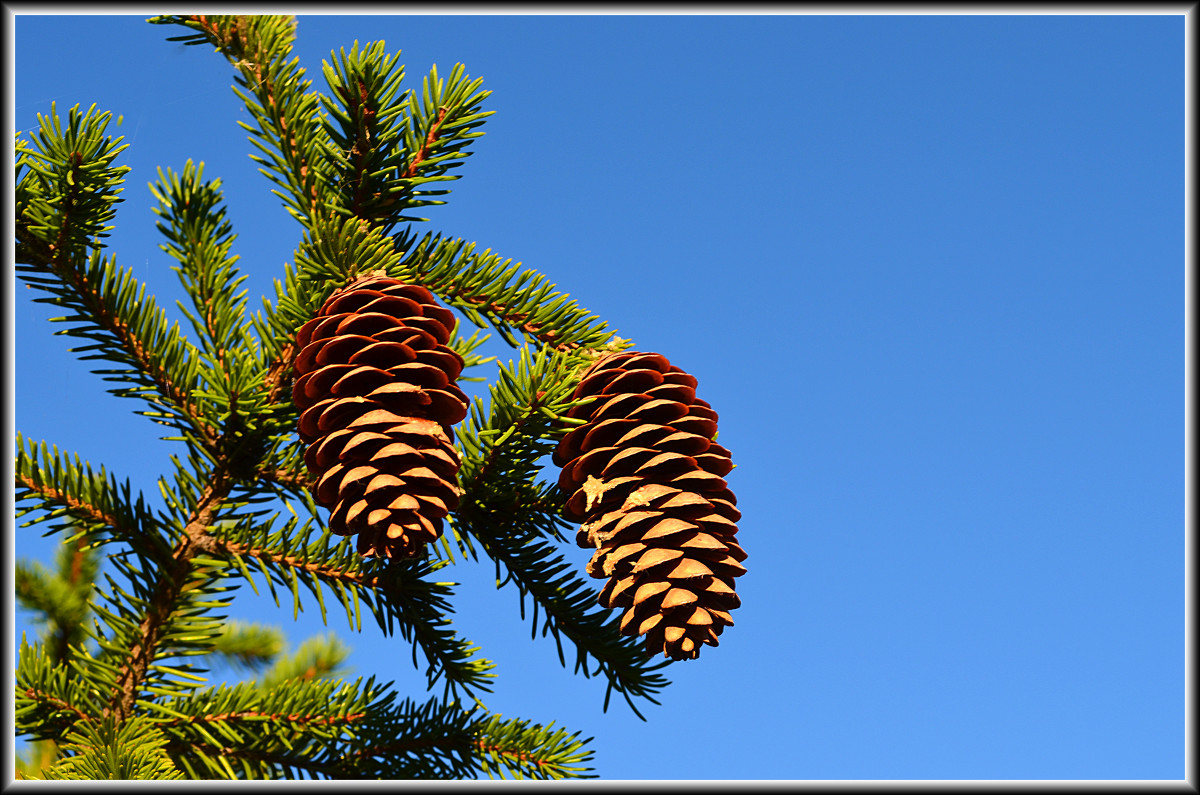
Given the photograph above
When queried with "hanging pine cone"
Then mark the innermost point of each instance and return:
(646, 480)
(376, 388)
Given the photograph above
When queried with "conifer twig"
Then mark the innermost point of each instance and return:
(196, 538)
(80, 714)
(279, 372)
(78, 508)
(57, 259)
(256, 72)
(291, 717)
(430, 140)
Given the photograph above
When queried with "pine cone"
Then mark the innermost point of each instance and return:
(646, 480)
(376, 388)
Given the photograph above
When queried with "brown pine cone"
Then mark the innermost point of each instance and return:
(376, 388)
(646, 480)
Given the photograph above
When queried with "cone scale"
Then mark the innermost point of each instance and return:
(646, 480)
(376, 387)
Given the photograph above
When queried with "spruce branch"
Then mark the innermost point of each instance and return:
(421, 156)
(436, 133)
(66, 491)
(49, 699)
(124, 326)
(398, 594)
(526, 750)
(297, 725)
(169, 587)
(440, 740)
(294, 479)
(200, 237)
(273, 88)
(368, 149)
(363, 127)
(67, 188)
(515, 519)
(490, 290)
(381, 143)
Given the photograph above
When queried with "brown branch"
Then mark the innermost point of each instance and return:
(196, 539)
(57, 703)
(294, 717)
(258, 79)
(423, 152)
(402, 746)
(231, 548)
(520, 756)
(84, 511)
(210, 315)
(279, 373)
(54, 258)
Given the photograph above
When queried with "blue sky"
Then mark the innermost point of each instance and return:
(928, 269)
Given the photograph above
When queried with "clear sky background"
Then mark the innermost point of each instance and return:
(928, 269)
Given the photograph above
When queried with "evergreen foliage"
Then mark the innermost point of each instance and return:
(134, 610)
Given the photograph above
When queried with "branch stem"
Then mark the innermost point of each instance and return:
(196, 539)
